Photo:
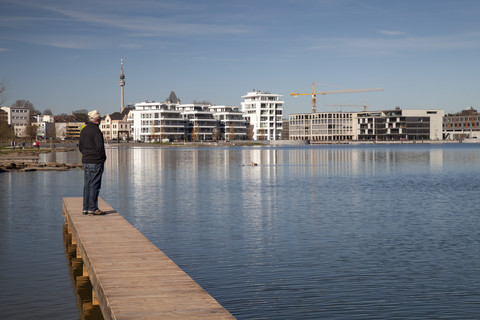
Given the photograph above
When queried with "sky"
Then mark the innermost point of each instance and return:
(65, 55)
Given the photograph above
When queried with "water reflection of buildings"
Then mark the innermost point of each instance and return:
(344, 161)
(144, 164)
(192, 184)
(61, 157)
(166, 172)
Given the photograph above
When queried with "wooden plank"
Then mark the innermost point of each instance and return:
(131, 277)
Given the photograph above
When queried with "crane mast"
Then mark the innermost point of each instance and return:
(314, 94)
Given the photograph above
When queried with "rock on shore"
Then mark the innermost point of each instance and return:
(28, 161)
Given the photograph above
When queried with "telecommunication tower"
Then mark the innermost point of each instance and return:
(122, 84)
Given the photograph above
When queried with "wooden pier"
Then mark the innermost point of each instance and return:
(131, 278)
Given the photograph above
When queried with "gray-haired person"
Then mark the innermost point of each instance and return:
(92, 148)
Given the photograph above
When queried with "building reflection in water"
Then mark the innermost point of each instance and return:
(181, 182)
(147, 171)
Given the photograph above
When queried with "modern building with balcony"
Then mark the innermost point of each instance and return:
(157, 121)
(200, 123)
(263, 111)
(399, 124)
(230, 122)
(389, 125)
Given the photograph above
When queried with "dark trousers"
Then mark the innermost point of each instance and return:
(92, 184)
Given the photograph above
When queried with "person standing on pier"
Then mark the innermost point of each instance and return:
(92, 147)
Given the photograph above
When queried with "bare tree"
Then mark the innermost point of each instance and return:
(195, 132)
(6, 131)
(47, 112)
(22, 103)
(81, 111)
(216, 134)
(162, 130)
(250, 132)
(81, 115)
(232, 131)
(31, 132)
(3, 92)
(51, 132)
(203, 102)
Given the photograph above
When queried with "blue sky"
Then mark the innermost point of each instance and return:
(65, 55)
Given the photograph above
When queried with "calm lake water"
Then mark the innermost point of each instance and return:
(312, 232)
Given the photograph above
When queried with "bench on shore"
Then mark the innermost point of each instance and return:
(130, 276)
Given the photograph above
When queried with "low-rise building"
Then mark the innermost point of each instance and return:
(117, 126)
(3, 116)
(45, 126)
(19, 118)
(399, 124)
(462, 125)
(323, 126)
(68, 127)
(389, 125)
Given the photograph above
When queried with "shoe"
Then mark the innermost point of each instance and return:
(98, 212)
(85, 212)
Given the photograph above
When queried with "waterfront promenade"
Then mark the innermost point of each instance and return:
(130, 276)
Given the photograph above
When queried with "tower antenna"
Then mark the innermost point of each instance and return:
(122, 84)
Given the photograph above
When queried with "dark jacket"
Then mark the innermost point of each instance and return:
(91, 144)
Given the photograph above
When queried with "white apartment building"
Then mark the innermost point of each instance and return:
(263, 111)
(19, 118)
(199, 121)
(230, 122)
(156, 121)
(324, 126)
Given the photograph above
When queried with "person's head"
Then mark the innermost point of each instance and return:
(94, 116)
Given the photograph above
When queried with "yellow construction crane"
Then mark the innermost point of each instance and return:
(314, 94)
(349, 105)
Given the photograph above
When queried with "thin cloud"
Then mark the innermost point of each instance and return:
(130, 45)
(66, 41)
(149, 27)
(392, 33)
(398, 44)
(69, 44)
(100, 27)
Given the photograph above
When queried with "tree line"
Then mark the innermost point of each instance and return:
(7, 131)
